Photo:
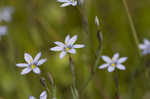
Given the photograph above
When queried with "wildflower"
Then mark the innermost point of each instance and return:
(113, 63)
(32, 64)
(6, 13)
(42, 96)
(67, 47)
(145, 47)
(67, 2)
(3, 30)
(96, 21)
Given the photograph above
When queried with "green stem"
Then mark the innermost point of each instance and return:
(134, 32)
(72, 71)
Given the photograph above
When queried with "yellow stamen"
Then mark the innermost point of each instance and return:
(112, 64)
(67, 49)
(33, 66)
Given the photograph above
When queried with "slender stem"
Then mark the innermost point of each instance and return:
(117, 93)
(134, 32)
(72, 71)
(98, 55)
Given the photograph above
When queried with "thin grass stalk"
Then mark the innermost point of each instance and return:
(134, 32)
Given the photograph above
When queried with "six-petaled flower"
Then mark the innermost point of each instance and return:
(68, 46)
(32, 64)
(113, 63)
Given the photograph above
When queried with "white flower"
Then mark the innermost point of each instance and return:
(42, 96)
(96, 21)
(6, 13)
(113, 63)
(3, 30)
(67, 2)
(32, 64)
(68, 46)
(145, 47)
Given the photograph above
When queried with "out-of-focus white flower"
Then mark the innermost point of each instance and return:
(42, 96)
(6, 13)
(67, 2)
(96, 21)
(145, 47)
(68, 46)
(3, 30)
(32, 64)
(113, 63)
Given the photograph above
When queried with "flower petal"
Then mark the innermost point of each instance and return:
(106, 59)
(72, 51)
(122, 60)
(36, 70)
(40, 62)
(43, 95)
(111, 69)
(121, 67)
(62, 54)
(62, 0)
(28, 58)
(66, 4)
(103, 66)
(74, 3)
(57, 48)
(3, 30)
(60, 44)
(78, 46)
(72, 40)
(26, 71)
(37, 57)
(115, 57)
(22, 65)
(142, 46)
(146, 41)
(32, 97)
(67, 39)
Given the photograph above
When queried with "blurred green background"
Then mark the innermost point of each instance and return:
(36, 24)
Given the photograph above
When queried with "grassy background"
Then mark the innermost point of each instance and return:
(36, 24)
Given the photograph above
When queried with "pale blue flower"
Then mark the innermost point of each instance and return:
(68, 46)
(6, 13)
(145, 47)
(32, 64)
(113, 63)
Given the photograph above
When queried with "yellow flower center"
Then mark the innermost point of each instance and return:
(112, 64)
(67, 49)
(33, 66)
